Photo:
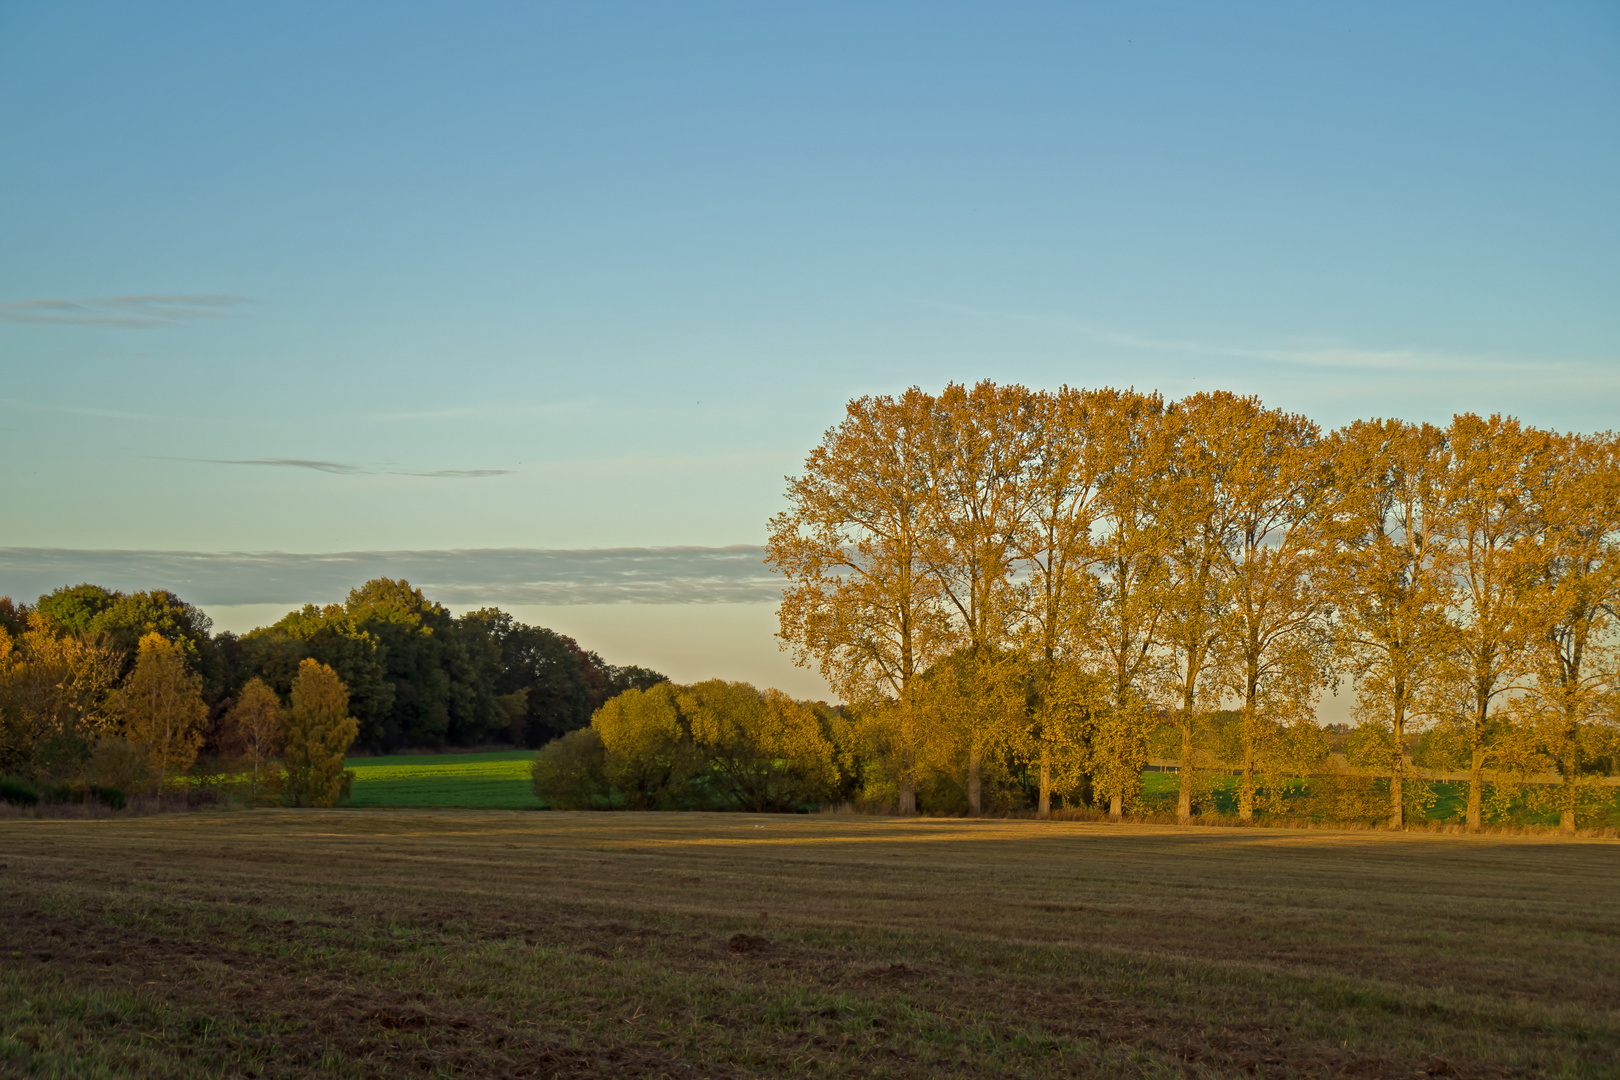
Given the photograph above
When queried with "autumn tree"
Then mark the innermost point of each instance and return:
(1280, 498)
(1393, 582)
(1055, 554)
(861, 604)
(160, 706)
(56, 695)
(256, 724)
(1126, 618)
(319, 732)
(1571, 616)
(1195, 525)
(1498, 472)
(979, 446)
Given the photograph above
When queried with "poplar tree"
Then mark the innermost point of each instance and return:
(1279, 493)
(161, 707)
(1498, 473)
(861, 603)
(1196, 526)
(1393, 581)
(1572, 649)
(319, 732)
(979, 446)
(1055, 552)
(1131, 595)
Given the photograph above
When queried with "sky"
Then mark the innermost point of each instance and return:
(377, 279)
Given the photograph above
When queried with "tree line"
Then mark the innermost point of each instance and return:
(1020, 588)
(104, 690)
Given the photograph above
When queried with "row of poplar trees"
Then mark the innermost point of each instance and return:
(1054, 576)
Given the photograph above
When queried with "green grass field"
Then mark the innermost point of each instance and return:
(500, 781)
(497, 781)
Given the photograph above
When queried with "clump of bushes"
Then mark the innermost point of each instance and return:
(713, 745)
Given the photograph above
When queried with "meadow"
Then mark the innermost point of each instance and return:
(358, 943)
(498, 780)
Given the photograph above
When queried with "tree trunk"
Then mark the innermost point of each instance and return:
(1246, 784)
(1116, 806)
(1397, 803)
(975, 803)
(1184, 802)
(1045, 810)
(908, 757)
(1566, 814)
(1476, 790)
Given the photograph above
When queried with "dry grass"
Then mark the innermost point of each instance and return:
(470, 944)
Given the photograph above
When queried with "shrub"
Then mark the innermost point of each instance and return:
(18, 791)
(568, 772)
(117, 764)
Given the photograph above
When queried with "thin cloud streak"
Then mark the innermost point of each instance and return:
(1325, 355)
(474, 577)
(281, 463)
(135, 312)
(343, 468)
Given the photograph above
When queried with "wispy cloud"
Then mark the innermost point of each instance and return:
(501, 576)
(342, 468)
(1320, 354)
(138, 312)
(280, 463)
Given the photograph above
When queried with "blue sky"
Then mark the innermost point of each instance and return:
(577, 276)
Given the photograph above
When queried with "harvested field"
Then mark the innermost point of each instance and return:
(459, 943)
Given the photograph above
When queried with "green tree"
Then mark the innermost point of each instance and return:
(649, 754)
(334, 637)
(766, 751)
(570, 772)
(319, 732)
(438, 695)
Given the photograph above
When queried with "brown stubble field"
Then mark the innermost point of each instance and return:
(483, 944)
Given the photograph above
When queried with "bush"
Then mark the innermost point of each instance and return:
(115, 764)
(568, 772)
(109, 797)
(17, 791)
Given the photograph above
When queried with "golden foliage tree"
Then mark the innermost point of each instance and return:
(1195, 523)
(54, 686)
(318, 733)
(980, 445)
(1125, 620)
(257, 724)
(1498, 478)
(1394, 581)
(1571, 618)
(861, 603)
(1278, 488)
(161, 708)
(1055, 553)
